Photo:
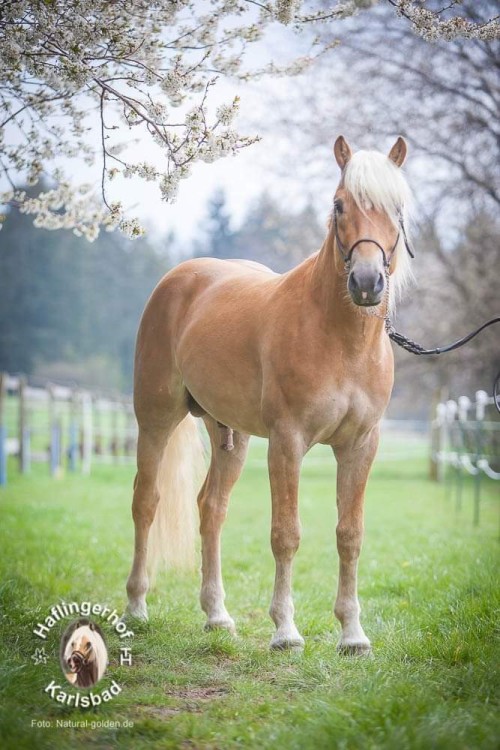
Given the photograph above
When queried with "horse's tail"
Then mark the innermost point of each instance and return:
(172, 534)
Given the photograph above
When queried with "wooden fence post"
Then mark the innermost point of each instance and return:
(73, 432)
(24, 432)
(87, 436)
(114, 445)
(55, 436)
(3, 432)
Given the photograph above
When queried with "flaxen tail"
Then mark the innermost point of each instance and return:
(173, 532)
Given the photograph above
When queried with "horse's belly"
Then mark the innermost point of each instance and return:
(218, 357)
(231, 411)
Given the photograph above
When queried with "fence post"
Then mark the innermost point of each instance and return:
(114, 430)
(87, 437)
(439, 444)
(482, 399)
(3, 432)
(73, 432)
(55, 436)
(24, 432)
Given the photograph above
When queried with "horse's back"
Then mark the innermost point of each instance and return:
(212, 270)
(197, 286)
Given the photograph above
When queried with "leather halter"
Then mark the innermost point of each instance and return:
(347, 254)
(83, 660)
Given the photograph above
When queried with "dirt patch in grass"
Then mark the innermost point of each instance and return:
(189, 700)
(198, 693)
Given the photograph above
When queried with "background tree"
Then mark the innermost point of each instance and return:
(70, 310)
(445, 99)
(78, 73)
(269, 233)
(218, 238)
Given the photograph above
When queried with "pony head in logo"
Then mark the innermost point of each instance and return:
(83, 654)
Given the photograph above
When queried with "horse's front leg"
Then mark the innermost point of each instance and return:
(285, 456)
(354, 463)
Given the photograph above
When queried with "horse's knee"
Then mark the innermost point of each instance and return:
(349, 538)
(285, 541)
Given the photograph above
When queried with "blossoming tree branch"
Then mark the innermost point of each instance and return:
(81, 78)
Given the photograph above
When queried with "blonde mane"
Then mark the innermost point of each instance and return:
(374, 181)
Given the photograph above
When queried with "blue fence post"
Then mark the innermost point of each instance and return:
(3, 432)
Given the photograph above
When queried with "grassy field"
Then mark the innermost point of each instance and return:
(427, 588)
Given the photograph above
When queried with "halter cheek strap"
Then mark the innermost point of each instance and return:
(347, 254)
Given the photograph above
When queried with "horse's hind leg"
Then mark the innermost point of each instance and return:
(150, 449)
(213, 499)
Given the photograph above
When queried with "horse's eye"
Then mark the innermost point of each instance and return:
(338, 206)
(88, 646)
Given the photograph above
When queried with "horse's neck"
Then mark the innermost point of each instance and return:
(329, 289)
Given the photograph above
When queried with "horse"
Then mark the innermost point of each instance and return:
(85, 656)
(299, 358)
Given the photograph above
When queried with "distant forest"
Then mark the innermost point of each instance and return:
(69, 309)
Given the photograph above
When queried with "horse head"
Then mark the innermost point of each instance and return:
(369, 218)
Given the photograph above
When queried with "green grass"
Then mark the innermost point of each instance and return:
(427, 588)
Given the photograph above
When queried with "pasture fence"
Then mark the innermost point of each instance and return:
(66, 428)
(72, 429)
(465, 441)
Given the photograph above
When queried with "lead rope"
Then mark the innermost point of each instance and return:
(403, 341)
(411, 346)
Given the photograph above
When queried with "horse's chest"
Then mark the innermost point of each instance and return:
(333, 402)
(344, 413)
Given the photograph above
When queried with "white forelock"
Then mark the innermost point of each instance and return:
(374, 181)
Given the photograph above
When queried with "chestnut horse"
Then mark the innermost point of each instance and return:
(299, 358)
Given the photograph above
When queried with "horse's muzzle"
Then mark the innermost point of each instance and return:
(366, 286)
(76, 661)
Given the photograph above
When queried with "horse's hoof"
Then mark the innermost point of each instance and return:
(361, 648)
(287, 643)
(221, 625)
(136, 612)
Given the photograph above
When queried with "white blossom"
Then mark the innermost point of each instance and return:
(146, 67)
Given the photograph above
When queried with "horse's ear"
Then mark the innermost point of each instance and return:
(398, 152)
(342, 151)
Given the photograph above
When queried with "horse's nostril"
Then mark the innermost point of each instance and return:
(379, 285)
(353, 284)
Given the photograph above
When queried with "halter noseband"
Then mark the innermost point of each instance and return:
(347, 254)
(82, 660)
